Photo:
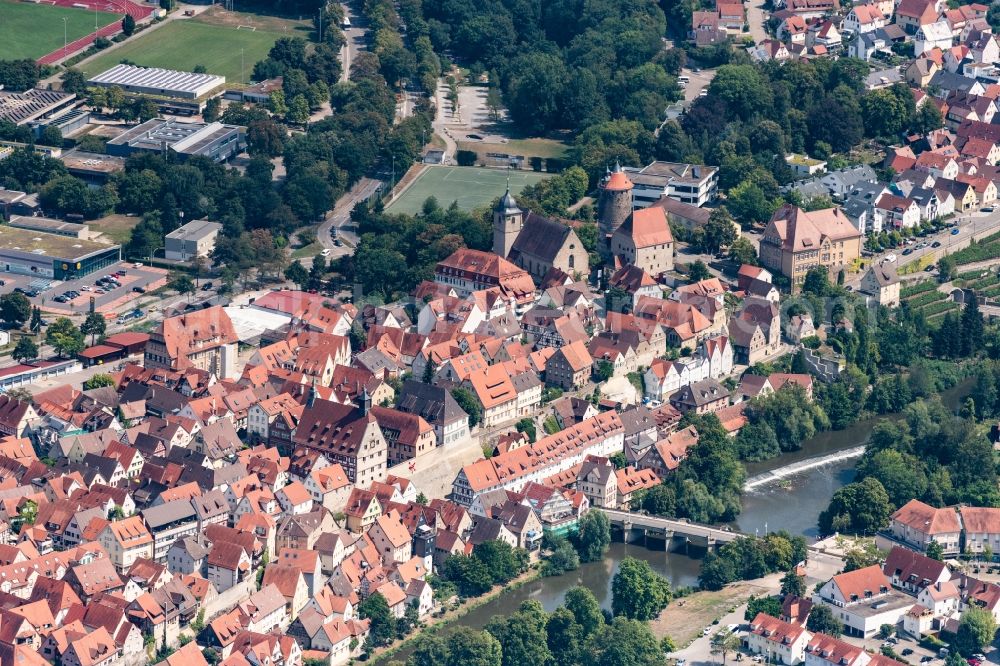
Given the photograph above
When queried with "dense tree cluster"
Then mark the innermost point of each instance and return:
(593, 536)
(554, 195)
(28, 170)
(562, 65)
(861, 507)
(932, 455)
(396, 252)
(959, 336)
(19, 75)
(747, 558)
(491, 563)
(707, 485)
(779, 422)
(755, 114)
(573, 635)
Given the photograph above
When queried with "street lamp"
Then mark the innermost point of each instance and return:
(65, 37)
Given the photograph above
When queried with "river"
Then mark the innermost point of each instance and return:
(794, 505)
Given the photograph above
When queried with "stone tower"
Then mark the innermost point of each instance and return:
(615, 202)
(508, 220)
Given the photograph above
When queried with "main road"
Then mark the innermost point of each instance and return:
(972, 225)
(340, 217)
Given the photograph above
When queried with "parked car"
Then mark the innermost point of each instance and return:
(907, 251)
(325, 252)
(954, 232)
(139, 290)
(906, 652)
(936, 244)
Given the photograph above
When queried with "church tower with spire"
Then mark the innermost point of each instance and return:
(508, 221)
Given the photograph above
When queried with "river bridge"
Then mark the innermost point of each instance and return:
(638, 527)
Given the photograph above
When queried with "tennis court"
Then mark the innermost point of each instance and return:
(471, 187)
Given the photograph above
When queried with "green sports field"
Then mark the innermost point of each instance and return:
(471, 187)
(185, 44)
(30, 31)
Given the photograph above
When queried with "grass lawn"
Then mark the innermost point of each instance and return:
(185, 44)
(116, 227)
(30, 31)
(310, 250)
(471, 187)
(684, 618)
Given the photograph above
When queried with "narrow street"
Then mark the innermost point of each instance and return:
(756, 18)
(355, 39)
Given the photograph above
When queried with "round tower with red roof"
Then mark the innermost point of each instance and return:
(615, 201)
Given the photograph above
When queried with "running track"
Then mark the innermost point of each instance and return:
(136, 11)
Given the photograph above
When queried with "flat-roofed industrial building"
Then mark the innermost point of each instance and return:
(175, 92)
(29, 252)
(159, 82)
(216, 141)
(50, 226)
(194, 239)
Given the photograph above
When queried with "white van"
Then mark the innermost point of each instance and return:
(889, 258)
(346, 23)
(683, 80)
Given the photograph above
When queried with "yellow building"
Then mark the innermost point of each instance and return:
(795, 241)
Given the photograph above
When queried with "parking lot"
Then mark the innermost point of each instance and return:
(115, 300)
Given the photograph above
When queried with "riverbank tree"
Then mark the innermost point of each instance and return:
(593, 536)
(930, 454)
(748, 557)
(491, 563)
(575, 633)
(862, 507)
(638, 592)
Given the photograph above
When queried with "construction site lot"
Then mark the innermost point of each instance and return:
(471, 187)
(225, 43)
(32, 30)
